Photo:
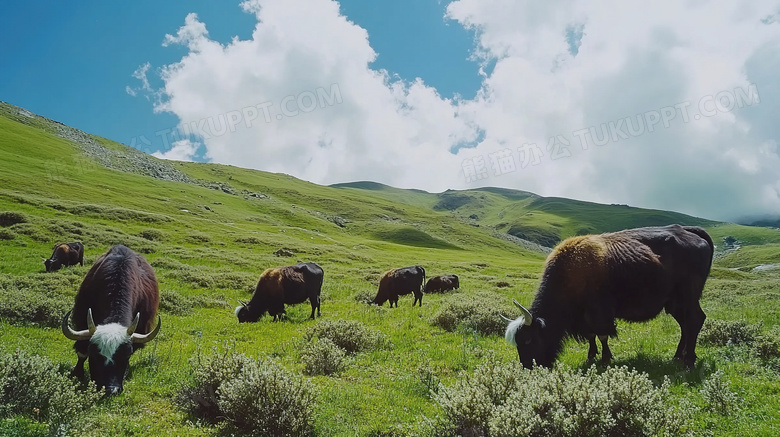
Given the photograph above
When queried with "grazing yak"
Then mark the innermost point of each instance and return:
(113, 315)
(398, 282)
(65, 254)
(442, 283)
(283, 285)
(589, 281)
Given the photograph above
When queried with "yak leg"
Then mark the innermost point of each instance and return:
(690, 320)
(592, 349)
(78, 369)
(417, 297)
(606, 354)
(315, 305)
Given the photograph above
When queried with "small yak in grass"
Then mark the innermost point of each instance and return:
(283, 285)
(399, 282)
(113, 314)
(65, 254)
(442, 283)
(591, 280)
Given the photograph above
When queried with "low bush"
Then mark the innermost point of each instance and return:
(767, 345)
(350, 335)
(7, 234)
(365, 296)
(174, 303)
(152, 234)
(477, 313)
(31, 301)
(198, 237)
(507, 400)
(322, 357)
(33, 387)
(8, 218)
(723, 332)
(718, 395)
(258, 397)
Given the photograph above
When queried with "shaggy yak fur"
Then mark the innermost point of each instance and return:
(119, 290)
(442, 283)
(283, 285)
(65, 254)
(399, 282)
(589, 281)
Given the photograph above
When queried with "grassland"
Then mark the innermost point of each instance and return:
(210, 238)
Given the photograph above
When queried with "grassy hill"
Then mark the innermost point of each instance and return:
(209, 230)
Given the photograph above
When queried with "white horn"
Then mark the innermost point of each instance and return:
(70, 334)
(145, 338)
(506, 319)
(528, 317)
(134, 324)
(90, 322)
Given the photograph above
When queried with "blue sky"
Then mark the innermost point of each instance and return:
(71, 62)
(670, 105)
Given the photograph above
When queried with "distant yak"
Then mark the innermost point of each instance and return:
(442, 283)
(399, 282)
(113, 315)
(65, 254)
(283, 285)
(589, 281)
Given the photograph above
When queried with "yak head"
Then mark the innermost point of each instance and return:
(243, 314)
(529, 335)
(52, 264)
(110, 347)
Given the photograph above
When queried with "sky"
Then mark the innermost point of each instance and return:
(672, 105)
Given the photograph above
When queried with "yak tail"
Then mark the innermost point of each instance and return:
(422, 286)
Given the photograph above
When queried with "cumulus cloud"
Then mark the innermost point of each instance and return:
(671, 105)
(181, 150)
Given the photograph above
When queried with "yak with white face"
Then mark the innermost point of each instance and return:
(113, 315)
(591, 280)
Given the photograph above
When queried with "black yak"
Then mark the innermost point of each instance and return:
(442, 283)
(113, 315)
(65, 254)
(399, 282)
(283, 285)
(589, 281)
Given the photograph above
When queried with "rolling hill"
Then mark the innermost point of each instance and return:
(209, 230)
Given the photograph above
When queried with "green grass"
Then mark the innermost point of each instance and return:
(208, 248)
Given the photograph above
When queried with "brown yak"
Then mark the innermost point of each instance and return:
(283, 285)
(399, 282)
(113, 314)
(65, 254)
(589, 281)
(442, 283)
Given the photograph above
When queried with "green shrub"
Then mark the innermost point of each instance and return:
(174, 303)
(267, 400)
(33, 387)
(477, 313)
(8, 218)
(507, 400)
(259, 397)
(767, 345)
(198, 237)
(152, 234)
(365, 296)
(7, 234)
(322, 357)
(723, 332)
(23, 306)
(350, 335)
(718, 395)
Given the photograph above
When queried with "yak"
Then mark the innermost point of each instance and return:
(283, 285)
(442, 283)
(113, 314)
(65, 254)
(399, 282)
(591, 280)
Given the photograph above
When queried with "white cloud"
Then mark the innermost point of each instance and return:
(633, 58)
(181, 150)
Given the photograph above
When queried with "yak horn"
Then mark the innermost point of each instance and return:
(90, 321)
(506, 319)
(134, 324)
(528, 317)
(243, 303)
(145, 338)
(70, 334)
